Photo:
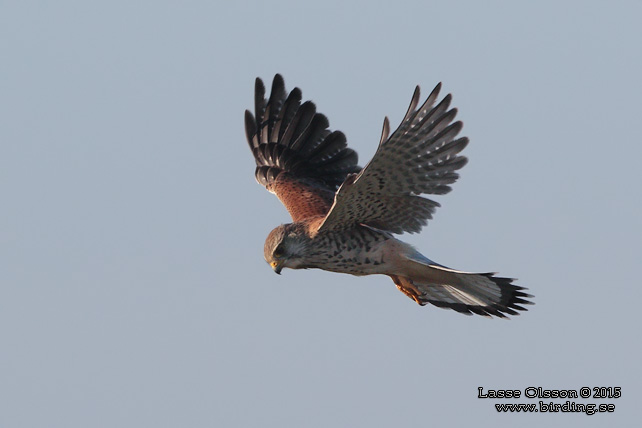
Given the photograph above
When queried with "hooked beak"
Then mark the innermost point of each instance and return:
(277, 266)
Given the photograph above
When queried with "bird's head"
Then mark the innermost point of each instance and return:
(285, 247)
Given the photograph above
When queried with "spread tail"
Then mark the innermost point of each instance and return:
(467, 293)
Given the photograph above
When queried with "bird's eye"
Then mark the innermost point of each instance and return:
(278, 252)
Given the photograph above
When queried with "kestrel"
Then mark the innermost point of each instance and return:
(344, 216)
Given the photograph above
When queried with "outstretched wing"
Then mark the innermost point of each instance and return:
(421, 156)
(297, 157)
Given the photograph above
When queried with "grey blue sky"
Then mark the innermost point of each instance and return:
(133, 291)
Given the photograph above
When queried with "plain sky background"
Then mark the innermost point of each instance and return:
(133, 290)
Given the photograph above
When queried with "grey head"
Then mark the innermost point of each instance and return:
(285, 247)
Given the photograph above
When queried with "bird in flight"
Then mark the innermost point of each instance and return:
(344, 216)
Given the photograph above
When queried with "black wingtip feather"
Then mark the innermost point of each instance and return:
(259, 99)
(287, 136)
(250, 128)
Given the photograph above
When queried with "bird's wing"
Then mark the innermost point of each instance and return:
(297, 157)
(421, 156)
